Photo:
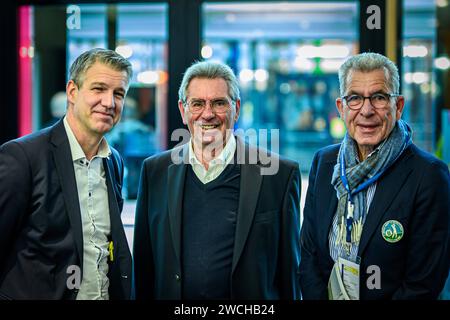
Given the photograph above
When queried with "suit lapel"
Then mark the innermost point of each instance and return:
(250, 185)
(326, 209)
(117, 230)
(329, 216)
(175, 187)
(387, 189)
(64, 166)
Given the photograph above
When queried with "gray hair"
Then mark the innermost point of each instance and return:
(367, 62)
(107, 57)
(209, 70)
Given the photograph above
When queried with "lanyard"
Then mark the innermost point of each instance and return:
(350, 205)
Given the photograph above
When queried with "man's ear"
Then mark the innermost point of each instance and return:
(182, 111)
(71, 92)
(238, 110)
(400, 103)
(340, 107)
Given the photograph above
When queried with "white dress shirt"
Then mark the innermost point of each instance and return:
(93, 198)
(216, 165)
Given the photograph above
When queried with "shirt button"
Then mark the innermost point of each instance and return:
(177, 277)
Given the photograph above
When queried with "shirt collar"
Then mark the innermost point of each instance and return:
(104, 150)
(223, 158)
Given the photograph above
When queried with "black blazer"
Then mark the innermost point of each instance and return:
(267, 239)
(40, 221)
(415, 192)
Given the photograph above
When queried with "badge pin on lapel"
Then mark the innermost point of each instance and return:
(392, 231)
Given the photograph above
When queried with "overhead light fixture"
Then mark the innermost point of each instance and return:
(415, 51)
(324, 51)
(148, 77)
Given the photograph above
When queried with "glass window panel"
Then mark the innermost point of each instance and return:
(418, 79)
(59, 33)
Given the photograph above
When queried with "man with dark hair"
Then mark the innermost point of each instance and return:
(61, 235)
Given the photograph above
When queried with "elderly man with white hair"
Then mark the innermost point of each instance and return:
(376, 218)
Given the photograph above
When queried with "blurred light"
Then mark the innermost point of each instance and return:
(261, 75)
(325, 51)
(261, 86)
(148, 77)
(408, 77)
(441, 3)
(246, 75)
(331, 65)
(442, 63)
(163, 77)
(31, 52)
(125, 51)
(435, 88)
(416, 77)
(136, 64)
(425, 88)
(337, 128)
(207, 52)
(230, 18)
(415, 51)
(23, 52)
(303, 64)
(320, 124)
(420, 77)
(285, 88)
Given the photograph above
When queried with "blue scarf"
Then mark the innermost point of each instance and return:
(362, 175)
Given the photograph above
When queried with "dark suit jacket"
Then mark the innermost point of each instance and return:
(40, 220)
(267, 238)
(415, 192)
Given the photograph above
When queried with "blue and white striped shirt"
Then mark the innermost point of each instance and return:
(337, 251)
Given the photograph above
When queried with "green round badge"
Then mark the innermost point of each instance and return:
(392, 231)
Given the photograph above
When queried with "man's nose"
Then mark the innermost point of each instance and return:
(367, 109)
(108, 100)
(208, 111)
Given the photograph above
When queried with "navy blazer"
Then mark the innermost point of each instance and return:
(267, 239)
(415, 192)
(40, 220)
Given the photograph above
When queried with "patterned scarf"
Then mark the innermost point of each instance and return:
(359, 172)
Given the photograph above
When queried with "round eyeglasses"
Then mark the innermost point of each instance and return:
(377, 100)
(196, 106)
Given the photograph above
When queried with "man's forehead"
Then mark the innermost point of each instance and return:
(215, 87)
(375, 78)
(100, 70)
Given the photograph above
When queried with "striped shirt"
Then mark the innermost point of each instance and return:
(338, 250)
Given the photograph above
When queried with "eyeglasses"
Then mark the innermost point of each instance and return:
(196, 106)
(377, 100)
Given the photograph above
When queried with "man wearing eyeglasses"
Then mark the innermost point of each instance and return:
(376, 217)
(213, 226)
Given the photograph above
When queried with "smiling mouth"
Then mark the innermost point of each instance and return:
(105, 114)
(209, 126)
(368, 127)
